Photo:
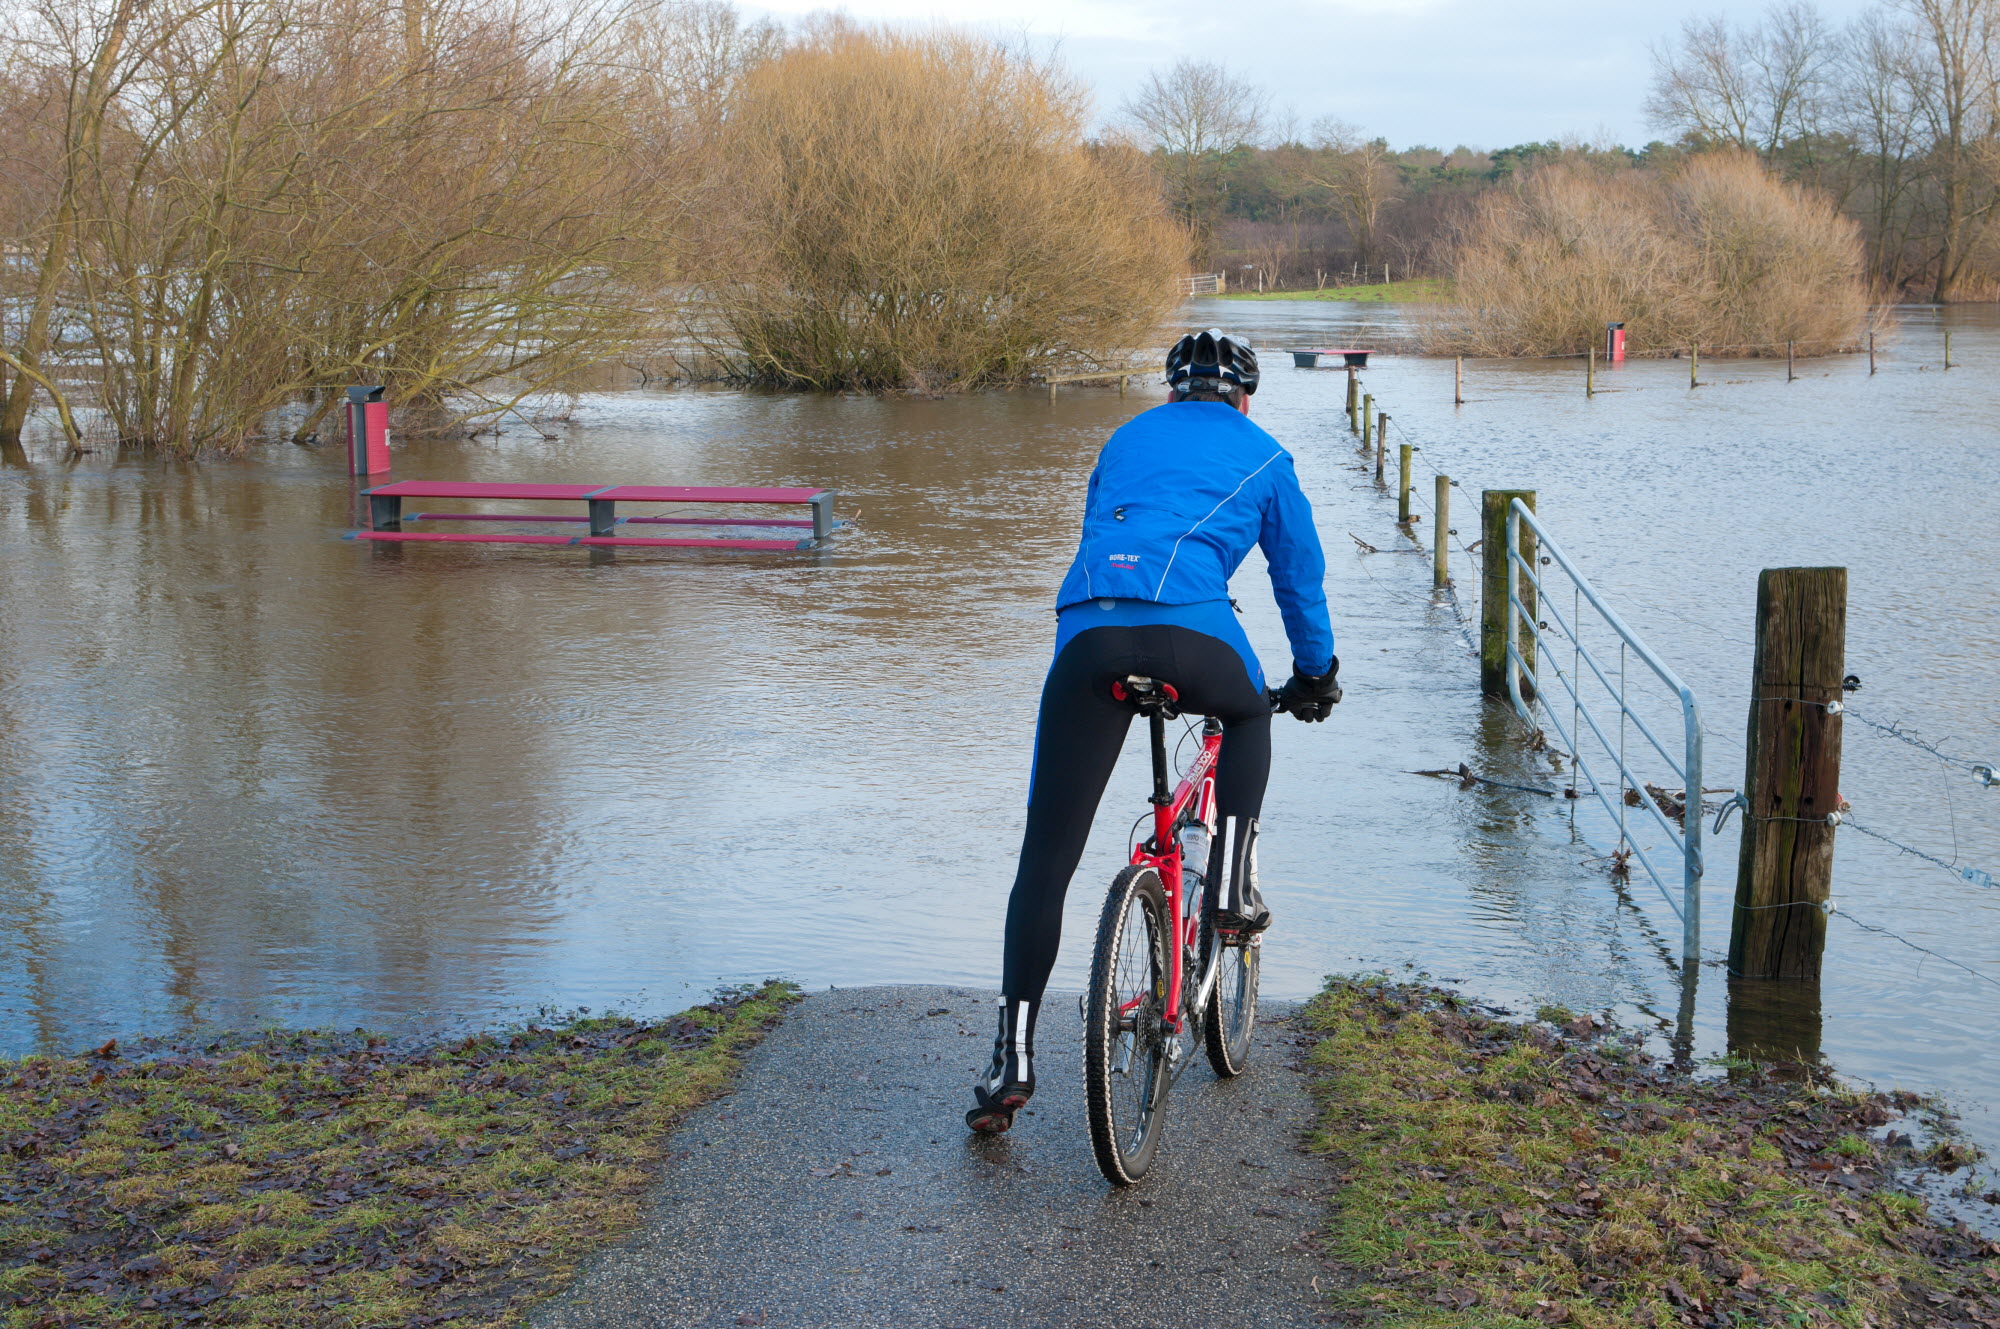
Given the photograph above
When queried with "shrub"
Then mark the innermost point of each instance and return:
(920, 210)
(1718, 254)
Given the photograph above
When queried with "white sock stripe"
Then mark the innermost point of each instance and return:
(1228, 861)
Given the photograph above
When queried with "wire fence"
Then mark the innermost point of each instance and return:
(1426, 456)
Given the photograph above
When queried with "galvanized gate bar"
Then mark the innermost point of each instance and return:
(1687, 836)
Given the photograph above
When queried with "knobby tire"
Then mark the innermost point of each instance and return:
(1128, 1107)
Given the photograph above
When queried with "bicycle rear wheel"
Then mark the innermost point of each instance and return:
(1125, 1070)
(1232, 1000)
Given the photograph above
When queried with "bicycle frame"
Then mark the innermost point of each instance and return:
(1193, 800)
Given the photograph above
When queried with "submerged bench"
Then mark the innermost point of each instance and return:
(1349, 355)
(386, 515)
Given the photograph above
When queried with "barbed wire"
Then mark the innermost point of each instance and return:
(1977, 876)
(1451, 597)
(1850, 345)
(1983, 771)
(1915, 946)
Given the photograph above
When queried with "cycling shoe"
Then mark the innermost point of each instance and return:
(992, 1116)
(1009, 1081)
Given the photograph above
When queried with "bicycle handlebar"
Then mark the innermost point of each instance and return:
(1276, 697)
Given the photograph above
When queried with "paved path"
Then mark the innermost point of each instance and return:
(838, 1189)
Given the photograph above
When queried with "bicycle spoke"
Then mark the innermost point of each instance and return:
(1135, 980)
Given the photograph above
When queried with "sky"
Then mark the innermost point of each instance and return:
(1484, 73)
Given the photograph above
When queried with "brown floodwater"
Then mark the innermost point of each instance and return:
(251, 772)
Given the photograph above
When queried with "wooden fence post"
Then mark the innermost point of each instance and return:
(1871, 353)
(1947, 348)
(1381, 443)
(1493, 590)
(1403, 484)
(1367, 420)
(1791, 780)
(1789, 373)
(1458, 382)
(1590, 371)
(1440, 534)
(1694, 366)
(1353, 401)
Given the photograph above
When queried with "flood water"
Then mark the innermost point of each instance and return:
(253, 773)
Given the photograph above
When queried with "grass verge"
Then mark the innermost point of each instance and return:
(313, 1179)
(1516, 1174)
(1422, 291)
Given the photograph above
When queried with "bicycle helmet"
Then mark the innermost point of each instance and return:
(1210, 361)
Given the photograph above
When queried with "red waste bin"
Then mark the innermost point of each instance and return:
(367, 432)
(1614, 341)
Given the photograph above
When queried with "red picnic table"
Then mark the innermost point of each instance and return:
(386, 515)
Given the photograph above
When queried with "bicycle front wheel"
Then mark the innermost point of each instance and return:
(1125, 1069)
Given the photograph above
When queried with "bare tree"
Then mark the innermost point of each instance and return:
(1703, 86)
(1794, 58)
(1357, 175)
(1875, 110)
(1193, 114)
(79, 64)
(1954, 88)
(238, 206)
(1754, 87)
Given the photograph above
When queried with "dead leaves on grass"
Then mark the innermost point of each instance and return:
(338, 1180)
(1555, 1173)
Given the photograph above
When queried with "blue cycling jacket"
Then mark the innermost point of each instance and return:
(1179, 495)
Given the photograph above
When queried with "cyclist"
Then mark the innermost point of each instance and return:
(1178, 496)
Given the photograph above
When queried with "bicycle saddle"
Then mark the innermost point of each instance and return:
(1147, 695)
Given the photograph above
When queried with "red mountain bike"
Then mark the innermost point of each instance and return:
(1164, 977)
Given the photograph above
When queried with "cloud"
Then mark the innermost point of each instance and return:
(1416, 71)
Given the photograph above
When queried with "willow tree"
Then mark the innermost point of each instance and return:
(1719, 253)
(921, 210)
(240, 207)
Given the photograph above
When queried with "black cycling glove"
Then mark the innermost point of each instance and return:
(1311, 698)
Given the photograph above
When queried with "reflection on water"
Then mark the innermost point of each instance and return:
(1776, 1022)
(251, 772)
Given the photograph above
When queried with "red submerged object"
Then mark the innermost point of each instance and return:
(600, 511)
(367, 432)
(1614, 341)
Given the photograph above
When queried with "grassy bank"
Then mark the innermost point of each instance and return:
(314, 1179)
(1422, 291)
(1514, 1174)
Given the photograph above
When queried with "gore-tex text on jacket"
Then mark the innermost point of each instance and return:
(1178, 497)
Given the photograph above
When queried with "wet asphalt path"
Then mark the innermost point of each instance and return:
(838, 1189)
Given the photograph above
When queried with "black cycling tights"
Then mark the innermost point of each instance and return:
(1077, 741)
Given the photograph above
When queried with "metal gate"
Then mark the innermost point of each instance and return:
(1553, 633)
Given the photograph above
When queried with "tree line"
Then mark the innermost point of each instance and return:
(1894, 116)
(215, 215)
